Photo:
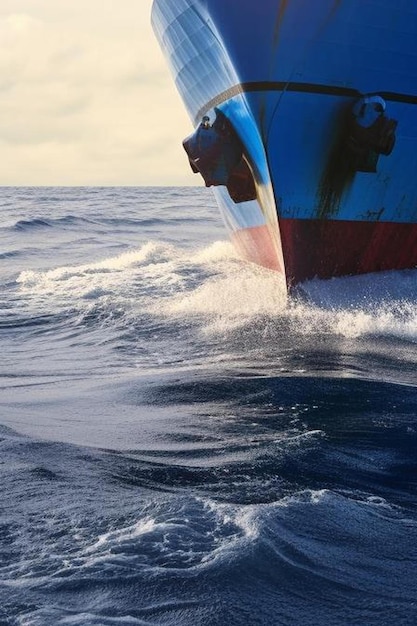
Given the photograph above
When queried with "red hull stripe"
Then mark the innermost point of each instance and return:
(257, 245)
(326, 248)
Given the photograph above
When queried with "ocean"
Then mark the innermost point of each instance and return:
(182, 444)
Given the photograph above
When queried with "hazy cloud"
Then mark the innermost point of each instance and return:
(85, 96)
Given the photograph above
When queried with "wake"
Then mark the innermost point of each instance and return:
(220, 293)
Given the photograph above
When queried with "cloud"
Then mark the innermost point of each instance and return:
(85, 96)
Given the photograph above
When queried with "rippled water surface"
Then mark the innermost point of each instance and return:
(183, 444)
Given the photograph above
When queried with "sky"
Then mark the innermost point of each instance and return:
(86, 97)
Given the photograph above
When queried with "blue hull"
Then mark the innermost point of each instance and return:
(285, 73)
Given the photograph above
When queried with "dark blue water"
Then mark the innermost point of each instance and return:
(182, 445)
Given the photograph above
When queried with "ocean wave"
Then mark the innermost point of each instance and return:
(73, 221)
(10, 254)
(214, 451)
(95, 557)
(222, 301)
(29, 224)
(176, 535)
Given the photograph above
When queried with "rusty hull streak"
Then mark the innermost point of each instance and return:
(338, 173)
(335, 7)
(283, 5)
(374, 215)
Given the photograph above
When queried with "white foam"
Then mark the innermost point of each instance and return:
(217, 251)
(109, 539)
(115, 282)
(150, 252)
(215, 289)
(195, 538)
(307, 496)
(391, 319)
(232, 298)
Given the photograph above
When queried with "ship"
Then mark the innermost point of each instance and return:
(304, 118)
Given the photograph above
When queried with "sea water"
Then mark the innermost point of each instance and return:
(182, 443)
